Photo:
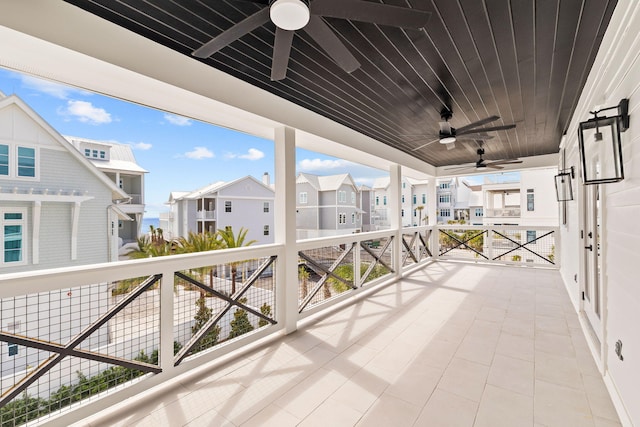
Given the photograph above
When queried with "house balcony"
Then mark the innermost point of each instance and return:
(501, 213)
(417, 338)
(205, 215)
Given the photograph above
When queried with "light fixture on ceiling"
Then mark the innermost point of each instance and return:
(600, 145)
(447, 140)
(564, 191)
(289, 14)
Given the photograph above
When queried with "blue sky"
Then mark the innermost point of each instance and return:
(180, 154)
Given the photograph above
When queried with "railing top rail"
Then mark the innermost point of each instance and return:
(14, 284)
(342, 239)
(498, 227)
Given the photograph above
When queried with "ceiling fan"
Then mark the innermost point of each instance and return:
(292, 15)
(471, 132)
(482, 163)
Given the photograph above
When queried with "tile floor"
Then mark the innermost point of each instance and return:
(450, 345)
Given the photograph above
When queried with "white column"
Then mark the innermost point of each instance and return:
(432, 203)
(35, 238)
(285, 228)
(395, 218)
(75, 218)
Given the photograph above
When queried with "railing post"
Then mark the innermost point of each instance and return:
(395, 217)
(434, 242)
(285, 228)
(356, 265)
(167, 294)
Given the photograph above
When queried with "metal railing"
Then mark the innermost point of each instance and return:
(206, 215)
(73, 334)
(504, 212)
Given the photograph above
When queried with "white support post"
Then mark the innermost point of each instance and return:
(75, 218)
(166, 321)
(35, 238)
(395, 215)
(432, 212)
(285, 228)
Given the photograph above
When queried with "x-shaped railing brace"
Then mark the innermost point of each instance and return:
(328, 272)
(522, 245)
(377, 258)
(423, 250)
(231, 301)
(463, 243)
(69, 349)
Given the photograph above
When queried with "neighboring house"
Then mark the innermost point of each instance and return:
(452, 198)
(119, 164)
(245, 202)
(56, 208)
(476, 205)
(327, 205)
(365, 204)
(413, 194)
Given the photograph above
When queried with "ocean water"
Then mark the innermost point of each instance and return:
(146, 222)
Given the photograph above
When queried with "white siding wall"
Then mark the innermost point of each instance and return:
(247, 213)
(545, 204)
(615, 75)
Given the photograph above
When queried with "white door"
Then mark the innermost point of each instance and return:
(593, 259)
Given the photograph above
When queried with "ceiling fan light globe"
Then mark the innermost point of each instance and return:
(447, 140)
(289, 14)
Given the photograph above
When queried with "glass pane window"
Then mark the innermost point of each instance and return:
(12, 243)
(26, 162)
(87, 152)
(266, 230)
(530, 201)
(227, 206)
(4, 160)
(531, 235)
(303, 197)
(265, 208)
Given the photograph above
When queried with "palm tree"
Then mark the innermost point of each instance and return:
(419, 209)
(200, 242)
(303, 276)
(229, 241)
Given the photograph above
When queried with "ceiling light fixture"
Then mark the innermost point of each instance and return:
(447, 140)
(289, 14)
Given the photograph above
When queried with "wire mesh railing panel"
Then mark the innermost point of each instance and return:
(324, 273)
(217, 303)
(532, 246)
(463, 243)
(60, 347)
(376, 259)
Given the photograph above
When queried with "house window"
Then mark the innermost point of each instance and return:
(13, 349)
(377, 200)
(303, 198)
(4, 160)
(227, 206)
(531, 235)
(445, 212)
(103, 154)
(479, 212)
(266, 230)
(87, 152)
(402, 213)
(424, 198)
(265, 207)
(353, 218)
(384, 200)
(342, 197)
(342, 218)
(415, 199)
(27, 162)
(415, 212)
(530, 200)
(12, 236)
(445, 198)
(403, 198)
(444, 185)
(404, 185)
(353, 197)
(94, 153)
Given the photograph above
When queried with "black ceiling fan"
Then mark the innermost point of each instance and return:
(291, 15)
(482, 163)
(471, 132)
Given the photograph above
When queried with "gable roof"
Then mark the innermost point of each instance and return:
(326, 182)
(116, 192)
(121, 156)
(214, 188)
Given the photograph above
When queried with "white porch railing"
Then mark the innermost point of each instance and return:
(206, 215)
(503, 212)
(77, 333)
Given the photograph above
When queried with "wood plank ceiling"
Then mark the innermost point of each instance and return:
(523, 60)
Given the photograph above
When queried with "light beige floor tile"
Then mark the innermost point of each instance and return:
(503, 408)
(272, 416)
(389, 411)
(512, 374)
(477, 350)
(560, 406)
(558, 370)
(332, 412)
(447, 409)
(465, 378)
(491, 314)
(560, 345)
(519, 326)
(439, 353)
(361, 390)
(555, 325)
(516, 346)
(603, 422)
(416, 384)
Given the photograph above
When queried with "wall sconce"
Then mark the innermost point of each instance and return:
(564, 192)
(600, 146)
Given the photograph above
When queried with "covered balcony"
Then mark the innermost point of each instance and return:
(429, 325)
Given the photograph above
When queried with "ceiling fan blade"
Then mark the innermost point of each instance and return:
(232, 34)
(469, 166)
(327, 39)
(281, 51)
(375, 13)
(489, 129)
(493, 166)
(474, 137)
(506, 162)
(424, 145)
(478, 123)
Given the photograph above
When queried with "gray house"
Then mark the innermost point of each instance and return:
(244, 202)
(327, 205)
(56, 208)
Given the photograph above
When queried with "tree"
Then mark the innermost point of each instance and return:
(240, 324)
(200, 242)
(420, 209)
(203, 315)
(266, 310)
(229, 240)
(303, 277)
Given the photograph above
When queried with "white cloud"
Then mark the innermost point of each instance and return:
(252, 154)
(199, 153)
(177, 120)
(320, 164)
(85, 112)
(56, 90)
(141, 146)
